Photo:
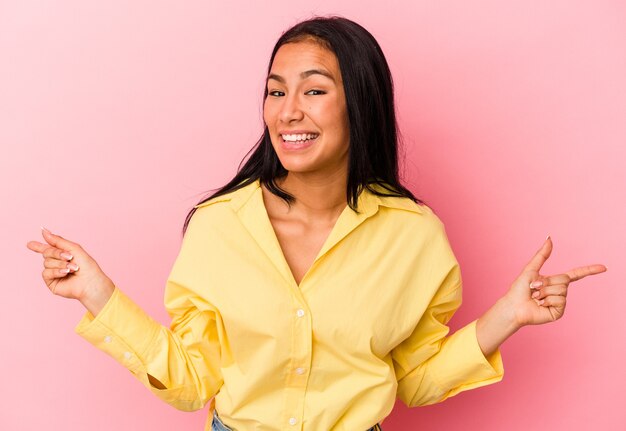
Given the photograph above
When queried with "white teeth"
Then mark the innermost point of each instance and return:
(299, 137)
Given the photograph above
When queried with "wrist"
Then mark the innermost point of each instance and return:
(496, 325)
(95, 296)
(508, 315)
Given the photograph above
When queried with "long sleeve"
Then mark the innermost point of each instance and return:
(365, 325)
(185, 357)
(431, 366)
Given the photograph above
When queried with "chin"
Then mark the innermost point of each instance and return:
(298, 168)
(298, 162)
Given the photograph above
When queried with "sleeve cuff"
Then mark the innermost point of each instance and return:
(465, 366)
(121, 329)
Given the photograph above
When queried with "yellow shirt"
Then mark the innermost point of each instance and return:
(366, 324)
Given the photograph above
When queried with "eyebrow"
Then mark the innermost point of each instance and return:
(303, 75)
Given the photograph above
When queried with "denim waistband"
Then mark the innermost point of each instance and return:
(218, 425)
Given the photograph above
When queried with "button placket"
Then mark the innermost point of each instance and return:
(300, 360)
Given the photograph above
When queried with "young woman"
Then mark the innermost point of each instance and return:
(312, 289)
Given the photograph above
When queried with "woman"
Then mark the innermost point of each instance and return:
(312, 289)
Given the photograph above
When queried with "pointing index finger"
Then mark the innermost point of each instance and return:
(583, 271)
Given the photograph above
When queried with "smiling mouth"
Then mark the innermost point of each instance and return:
(299, 137)
(296, 142)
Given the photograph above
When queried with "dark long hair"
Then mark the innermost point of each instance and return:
(368, 88)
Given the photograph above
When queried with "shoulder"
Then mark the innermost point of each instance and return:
(423, 235)
(234, 197)
(421, 232)
(213, 203)
(224, 207)
(212, 211)
(406, 213)
(401, 209)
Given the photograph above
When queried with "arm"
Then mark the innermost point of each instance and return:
(180, 364)
(495, 326)
(430, 364)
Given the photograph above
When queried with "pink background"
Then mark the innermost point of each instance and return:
(117, 117)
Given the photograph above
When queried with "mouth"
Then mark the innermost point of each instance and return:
(298, 142)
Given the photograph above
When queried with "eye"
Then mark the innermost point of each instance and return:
(318, 92)
(273, 93)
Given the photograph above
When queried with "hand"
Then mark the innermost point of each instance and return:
(71, 273)
(546, 303)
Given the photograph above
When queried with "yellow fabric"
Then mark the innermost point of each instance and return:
(366, 324)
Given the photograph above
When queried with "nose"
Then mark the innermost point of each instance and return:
(290, 109)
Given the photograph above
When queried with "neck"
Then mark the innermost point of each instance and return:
(320, 198)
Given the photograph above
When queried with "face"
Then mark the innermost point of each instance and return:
(305, 110)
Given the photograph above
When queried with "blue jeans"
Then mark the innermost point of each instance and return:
(218, 425)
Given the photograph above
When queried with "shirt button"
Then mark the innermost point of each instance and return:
(128, 355)
(292, 421)
(300, 370)
(300, 312)
(108, 339)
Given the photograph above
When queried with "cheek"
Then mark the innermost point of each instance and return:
(329, 113)
(336, 112)
(268, 112)
(339, 118)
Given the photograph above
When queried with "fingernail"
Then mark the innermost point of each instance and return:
(65, 270)
(73, 266)
(535, 295)
(548, 237)
(66, 256)
(536, 284)
(542, 301)
(43, 228)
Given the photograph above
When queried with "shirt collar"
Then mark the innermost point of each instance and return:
(368, 202)
(247, 203)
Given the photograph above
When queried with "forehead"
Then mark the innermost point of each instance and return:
(295, 57)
